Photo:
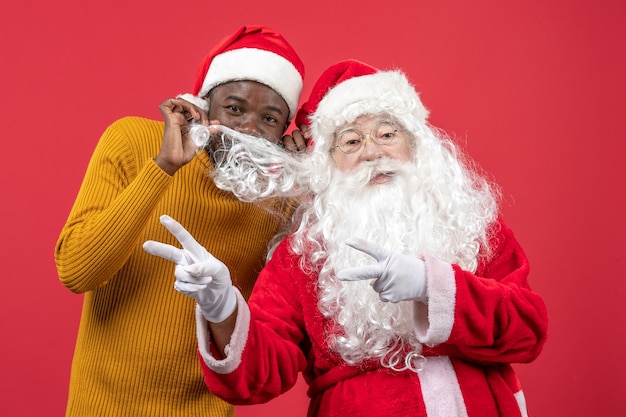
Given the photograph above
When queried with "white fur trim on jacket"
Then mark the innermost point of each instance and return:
(433, 322)
(238, 340)
(440, 388)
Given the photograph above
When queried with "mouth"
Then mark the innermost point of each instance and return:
(382, 177)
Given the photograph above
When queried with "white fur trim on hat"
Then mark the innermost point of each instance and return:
(262, 66)
(383, 92)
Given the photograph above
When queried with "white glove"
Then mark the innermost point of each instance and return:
(396, 277)
(199, 274)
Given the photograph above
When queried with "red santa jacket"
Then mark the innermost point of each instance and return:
(474, 327)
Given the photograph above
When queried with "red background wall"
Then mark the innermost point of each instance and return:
(535, 90)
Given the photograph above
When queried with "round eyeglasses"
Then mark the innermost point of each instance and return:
(351, 140)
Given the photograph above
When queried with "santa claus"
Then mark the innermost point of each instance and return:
(400, 290)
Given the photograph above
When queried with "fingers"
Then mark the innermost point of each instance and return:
(210, 267)
(360, 273)
(180, 114)
(194, 249)
(189, 110)
(364, 272)
(213, 129)
(164, 251)
(173, 112)
(177, 148)
(298, 140)
(306, 131)
(176, 229)
(370, 248)
(289, 144)
(188, 288)
(182, 275)
(379, 284)
(388, 297)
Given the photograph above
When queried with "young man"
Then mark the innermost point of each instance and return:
(400, 293)
(136, 348)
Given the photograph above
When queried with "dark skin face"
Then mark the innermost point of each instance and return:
(246, 106)
(249, 107)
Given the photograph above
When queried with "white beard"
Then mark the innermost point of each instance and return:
(250, 167)
(401, 216)
(384, 215)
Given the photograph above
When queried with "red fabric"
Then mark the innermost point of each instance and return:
(334, 75)
(257, 37)
(498, 320)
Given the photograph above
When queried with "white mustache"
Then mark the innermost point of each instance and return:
(364, 172)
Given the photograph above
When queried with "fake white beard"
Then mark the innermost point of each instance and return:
(400, 216)
(250, 167)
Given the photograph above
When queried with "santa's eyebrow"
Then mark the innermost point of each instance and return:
(386, 120)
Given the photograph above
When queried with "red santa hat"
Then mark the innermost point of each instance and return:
(349, 89)
(253, 53)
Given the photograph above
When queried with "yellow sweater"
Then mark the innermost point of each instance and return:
(136, 353)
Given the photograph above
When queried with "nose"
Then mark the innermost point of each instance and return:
(249, 127)
(371, 151)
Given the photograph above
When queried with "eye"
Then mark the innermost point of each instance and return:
(386, 133)
(234, 109)
(350, 140)
(270, 119)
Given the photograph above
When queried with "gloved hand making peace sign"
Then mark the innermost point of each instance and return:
(396, 277)
(199, 274)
